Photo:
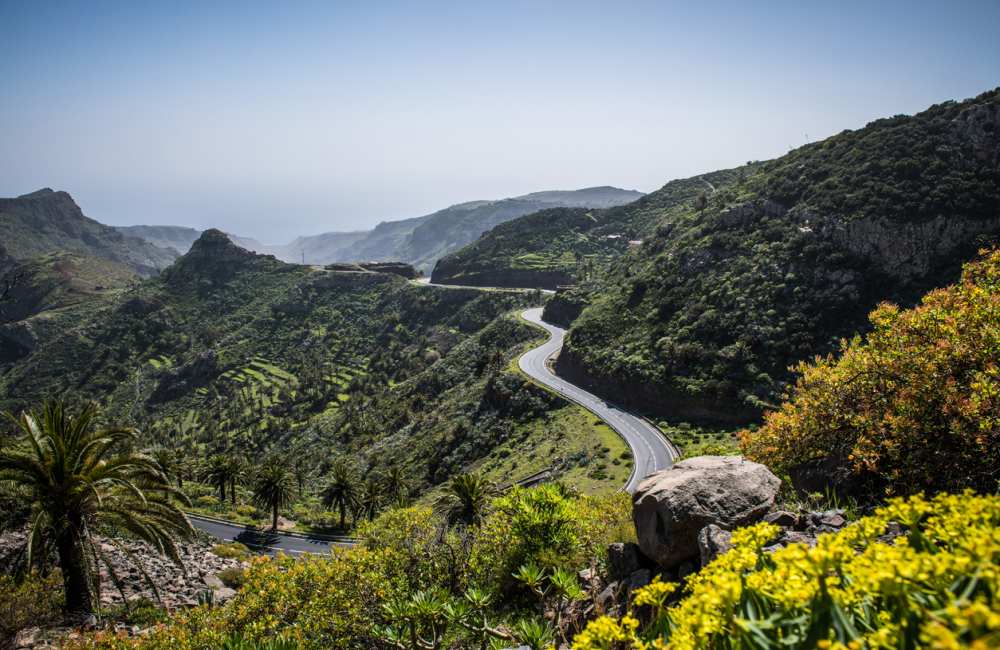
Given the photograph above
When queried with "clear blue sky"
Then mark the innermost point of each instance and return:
(272, 121)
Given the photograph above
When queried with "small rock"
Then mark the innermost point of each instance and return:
(796, 537)
(833, 519)
(607, 598)
(89, 622)
(781, 518)
(224, 594)
(213, 582)
(713, 542)
(623, 559)
(27, 637)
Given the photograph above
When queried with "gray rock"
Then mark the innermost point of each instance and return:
(795, 537)
(27, 638)
(831, 518)
(782, 518)
(671, 507)
(607, 598)
(623, 559)
(713, 542)
(213, 582)
(224, 594)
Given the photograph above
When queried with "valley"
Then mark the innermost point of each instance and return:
(605, 419)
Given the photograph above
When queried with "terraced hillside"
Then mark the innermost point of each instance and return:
(228, 351)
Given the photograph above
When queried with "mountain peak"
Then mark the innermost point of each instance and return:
(38, 194)
(214, 257)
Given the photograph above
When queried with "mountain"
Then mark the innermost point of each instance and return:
(447, 230)
(548, 248)
(703, 319)
(419, 240)
(178, 238)
(46, 222)
(229, 350)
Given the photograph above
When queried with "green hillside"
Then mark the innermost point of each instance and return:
(704, 318)
(51, 222)
(230, 351)
(556, 246)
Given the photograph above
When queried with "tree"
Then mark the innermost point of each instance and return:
(466, 499)
(79, 478)
(273, 488)
(397, 485)
(342, 489)
(218, 474)
(701, 202)
(169, 461)
(370, 497)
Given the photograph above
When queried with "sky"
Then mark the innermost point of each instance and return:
(273, 120)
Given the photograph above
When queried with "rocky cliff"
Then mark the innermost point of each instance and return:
(48, 222)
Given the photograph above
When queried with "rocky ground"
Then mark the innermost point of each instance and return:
(176, 586)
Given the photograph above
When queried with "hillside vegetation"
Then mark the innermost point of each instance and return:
(51, 222)
(913, 406)
(232, 352)
(558, 246)
(704, 319)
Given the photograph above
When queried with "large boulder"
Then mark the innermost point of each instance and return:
(671, 507)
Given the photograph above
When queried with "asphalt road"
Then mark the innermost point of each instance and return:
(265, 541)
(651, 451)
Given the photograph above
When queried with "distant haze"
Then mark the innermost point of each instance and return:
(275, 122)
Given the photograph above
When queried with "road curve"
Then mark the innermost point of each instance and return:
(265, 541)
(651, 451)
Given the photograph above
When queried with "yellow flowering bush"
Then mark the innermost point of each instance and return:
(934, 586)
(914, 406)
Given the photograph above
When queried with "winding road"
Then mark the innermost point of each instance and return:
(651, 451)
(266, 541)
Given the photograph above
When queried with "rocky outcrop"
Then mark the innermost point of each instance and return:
(650, 397)
(47, 221)
(214, 259)
(564, 307)
(671, 507)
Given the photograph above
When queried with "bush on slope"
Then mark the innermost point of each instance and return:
(912, 406)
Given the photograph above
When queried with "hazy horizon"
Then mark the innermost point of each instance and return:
(274, 122)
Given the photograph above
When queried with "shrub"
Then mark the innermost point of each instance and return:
(936, 586)
(35, 601)
(913, 406)
(232, 577)
(232, 550)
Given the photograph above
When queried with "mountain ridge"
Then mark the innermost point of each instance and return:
(47, 221)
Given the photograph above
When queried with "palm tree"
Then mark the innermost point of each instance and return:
(81, 478)
(397, 485)
(170, 464)
(342, 489)
(370, 497)
(466, 499)
(217, 474)
(273, 488)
